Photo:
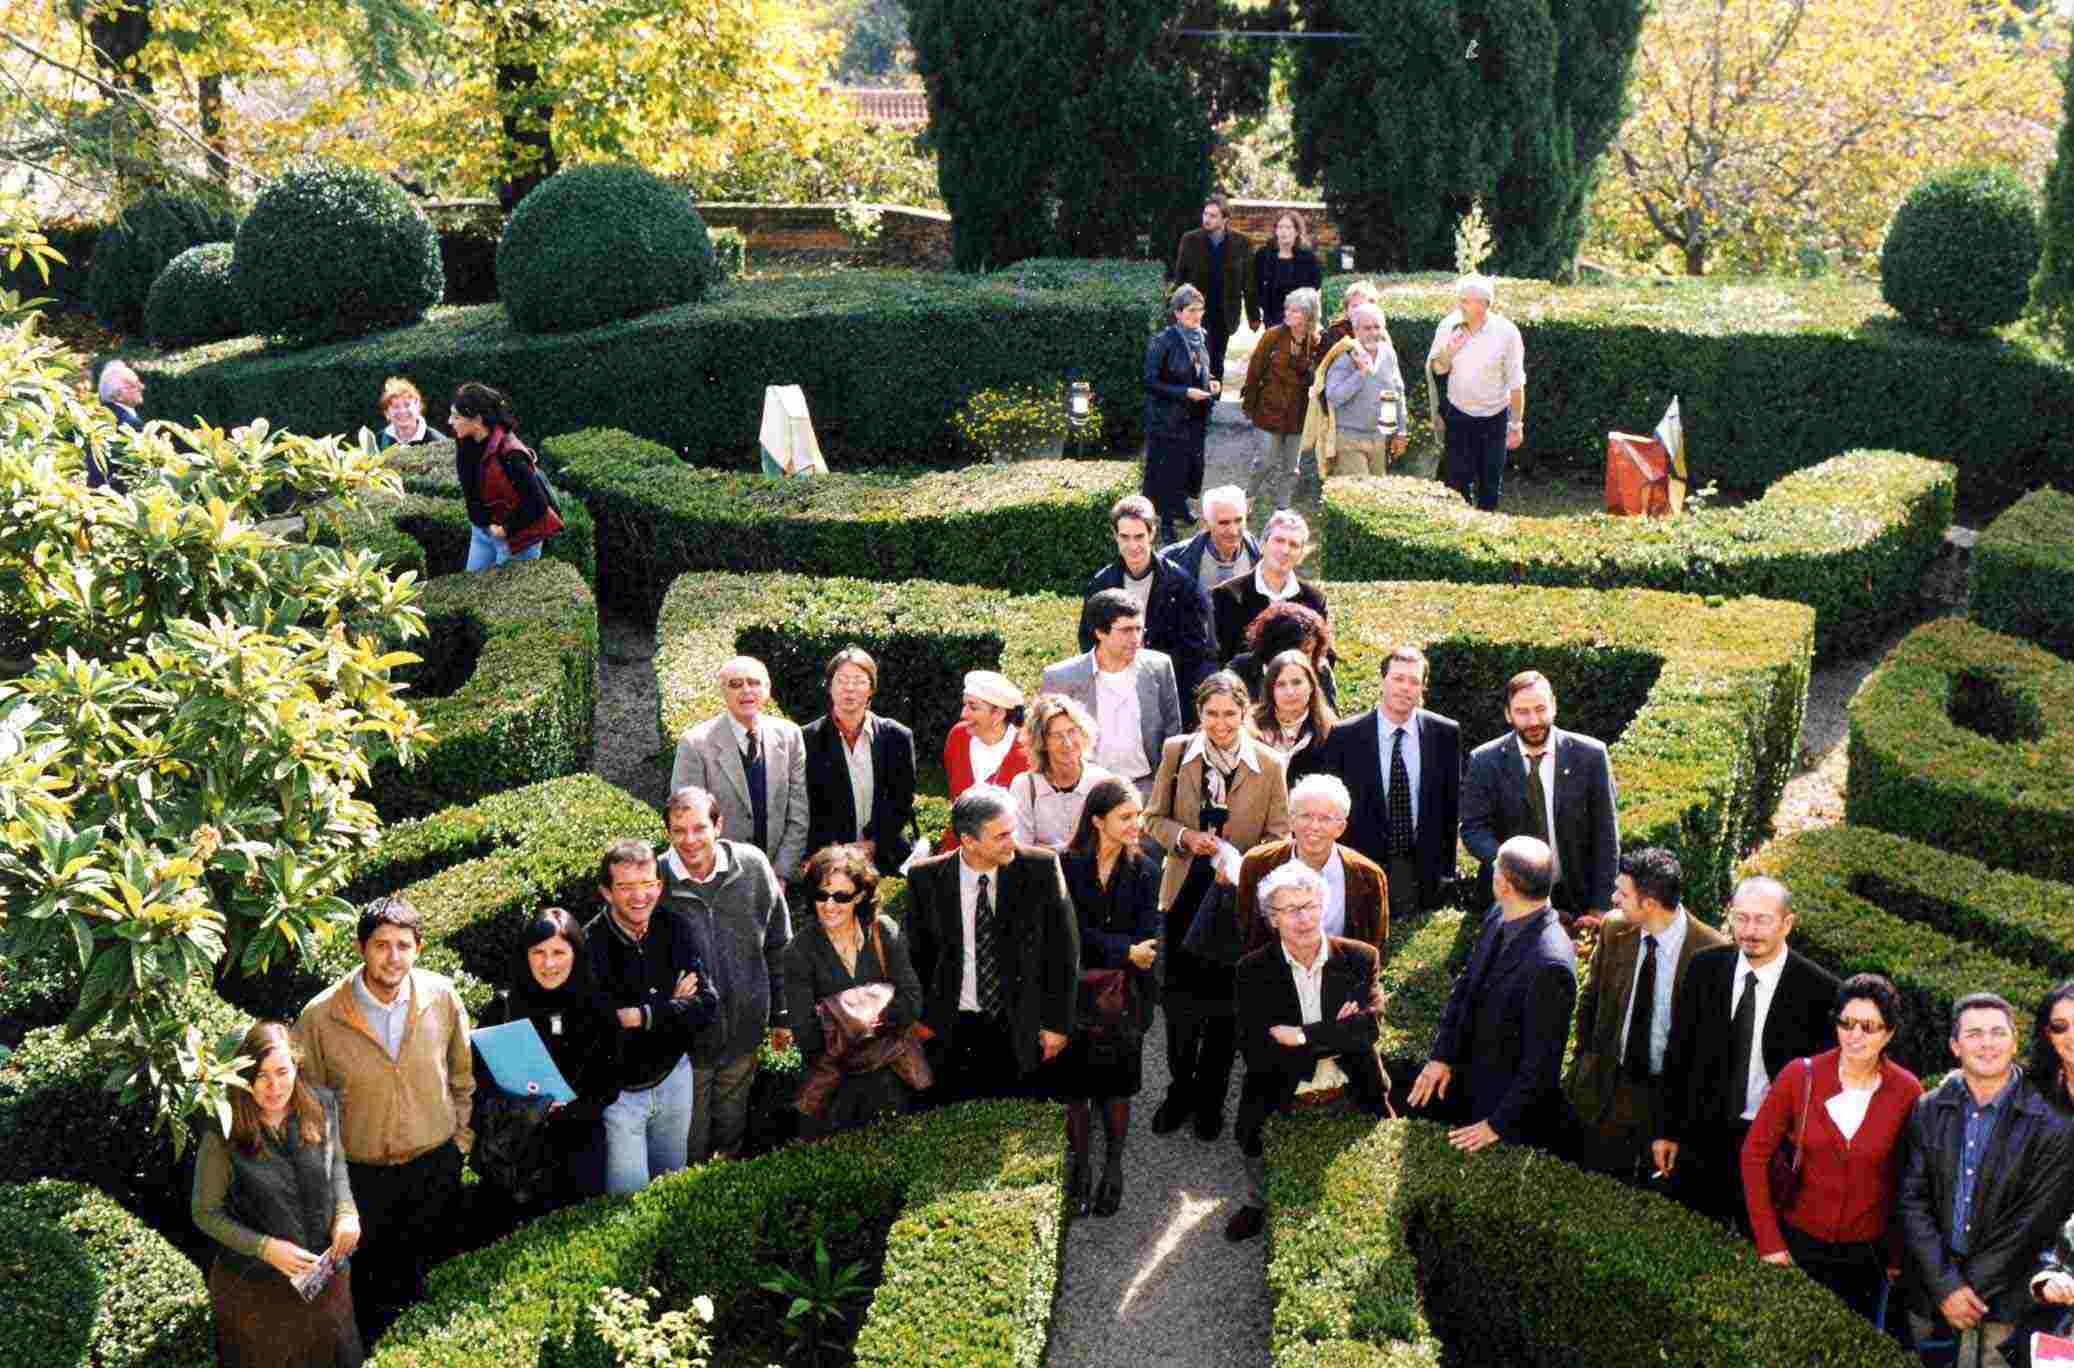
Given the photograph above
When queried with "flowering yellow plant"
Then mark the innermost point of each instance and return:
(1002, 423)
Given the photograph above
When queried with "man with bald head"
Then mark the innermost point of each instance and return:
(1748, 1010)
(1498, 1058)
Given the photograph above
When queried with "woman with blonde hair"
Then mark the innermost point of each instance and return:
(404, 407)
(1059, 735)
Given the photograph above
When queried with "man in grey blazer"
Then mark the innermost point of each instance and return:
(1556, 786)
(754, 766)
(1130, 691)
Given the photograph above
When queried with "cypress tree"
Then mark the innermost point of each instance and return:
(2052, 290)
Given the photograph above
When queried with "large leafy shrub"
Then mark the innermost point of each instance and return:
(137, 244)
(194, 299)
(1961, 251)
(601, 242)
(333, 251)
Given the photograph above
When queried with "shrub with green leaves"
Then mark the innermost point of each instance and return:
(730, 253)
(2023, 572)
(601, 242)
(193, 299)
(1964, 739)
(1849, 537)
(139, 242)
(1961, 251)
(332, 251)
(1701, 699)
(88, 1285)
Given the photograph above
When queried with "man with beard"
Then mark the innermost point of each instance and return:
(1554, 785)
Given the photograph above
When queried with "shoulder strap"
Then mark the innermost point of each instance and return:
(1807, 1098)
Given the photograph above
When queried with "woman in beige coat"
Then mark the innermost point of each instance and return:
(1219, 793)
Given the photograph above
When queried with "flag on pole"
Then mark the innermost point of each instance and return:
(787, 437)
(1671, 432)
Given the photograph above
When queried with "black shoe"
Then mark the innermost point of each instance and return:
(1245, 1223)
(1170, 1115)
(1110, 1196)
(1209, 1124)
(1079, 1182)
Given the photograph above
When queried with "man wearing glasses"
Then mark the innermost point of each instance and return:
(1748, 1010)
(650, 961)
(1990, 1174)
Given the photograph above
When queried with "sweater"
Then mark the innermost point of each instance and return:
(1846, 1186)
(740, 911)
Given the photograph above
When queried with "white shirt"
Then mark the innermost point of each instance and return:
(1047, 815)
(1490, 366)
(1140, 590)
(862, 778)
(1848, 1108)
(386, 1020)
(1670, 943)
(1333, 920)
(1547, 793)
(1388, 729)
(742, 732)
(678, 867)
(1121, 750)
(968, 907)
(1767, 984)
(1310, 993)
(1287, 591)
(986, 756)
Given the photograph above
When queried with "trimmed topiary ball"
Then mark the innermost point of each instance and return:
(332, 251)
(193, 299)
(600, 242)
(1961, 250)
(136, 246)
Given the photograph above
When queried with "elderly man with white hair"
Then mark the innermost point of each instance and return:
(1307, 1024)
(121, 390)
(754, 766)
(1483, 407)
(1357, 901)
(1364, 391)
(1224, 549)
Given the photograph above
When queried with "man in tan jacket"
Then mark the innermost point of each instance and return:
(392, 1041)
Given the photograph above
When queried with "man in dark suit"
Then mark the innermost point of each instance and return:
(996, 946)
(1307, 1023)
(1638, 974)
(1219, 262)
(1748, 1010)
(1414, 841)
(1538, 780)
(1224, 549)
(1500, 1045)
(860, 768)
(1234, 604)
(1175, 607)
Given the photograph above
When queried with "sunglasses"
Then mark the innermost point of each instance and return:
(1844, 1023)
(829, 895)
(2059, 1027)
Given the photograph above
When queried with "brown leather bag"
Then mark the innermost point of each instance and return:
(852, 1043)
(1106, 998)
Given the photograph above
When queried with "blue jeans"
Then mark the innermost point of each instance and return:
(1474, 465)
(485, 551)
(647, 1133)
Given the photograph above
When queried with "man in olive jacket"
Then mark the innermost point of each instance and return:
(1219, 262)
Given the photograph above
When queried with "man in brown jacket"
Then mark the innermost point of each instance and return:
(1219, 262)
(392, 1041)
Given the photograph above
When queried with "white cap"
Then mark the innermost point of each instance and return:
(991, 686)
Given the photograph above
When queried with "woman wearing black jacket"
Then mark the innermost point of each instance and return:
(1179, 390)
(552, 987)
(505, 503)
(1284, 265)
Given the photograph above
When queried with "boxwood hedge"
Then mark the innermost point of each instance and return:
(960, 1209)
(1388, 1248)
(1033, 525)
(885, 359)
(1702, 698)
(1964, 739)
(1940, 925)
(1849, 537)
(88, 1284)
(2023, 571)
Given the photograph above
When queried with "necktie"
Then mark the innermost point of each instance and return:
(986, 951)
(1642, 1020)
(1745, 1036)
(1537, 799)
(759, 797)
(1400, 799)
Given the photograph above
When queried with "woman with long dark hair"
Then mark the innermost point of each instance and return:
(496, 470)
(2051, 1065)
(1294, 716)
(1179, 389)
(275, 1197)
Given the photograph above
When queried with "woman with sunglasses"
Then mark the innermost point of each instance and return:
(847, 943)
(1845, 1110)
(2051, 1065)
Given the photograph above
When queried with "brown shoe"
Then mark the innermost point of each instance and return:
(1245, 1223)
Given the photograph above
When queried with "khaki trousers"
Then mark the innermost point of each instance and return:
(1360, 455)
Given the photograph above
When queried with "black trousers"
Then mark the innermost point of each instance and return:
(1708, 1176)
(979, 1061)
(1854, 1271)
(1474, 460)
(1174, 473)
(1216, 338)
(407, 1215)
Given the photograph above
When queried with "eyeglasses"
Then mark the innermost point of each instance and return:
(741, 682)
(1762, 921)
(830, 895)
(1859, 1024)
(1287, 908)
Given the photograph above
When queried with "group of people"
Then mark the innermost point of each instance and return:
(1337, 391)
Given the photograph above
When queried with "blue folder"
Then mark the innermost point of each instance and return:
(519, 1062)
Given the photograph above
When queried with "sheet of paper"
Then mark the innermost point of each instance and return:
(1227, 860)
(518, 1059)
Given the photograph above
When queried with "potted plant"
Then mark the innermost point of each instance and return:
(1024, 422)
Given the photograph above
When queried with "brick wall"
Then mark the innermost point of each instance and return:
(918, 238)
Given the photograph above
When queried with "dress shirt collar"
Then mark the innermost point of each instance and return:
(1315, 971)
(865, 727)
(1767, 977)
(1547, 750)
(741, 732)
(678, 868)
(1287, 591)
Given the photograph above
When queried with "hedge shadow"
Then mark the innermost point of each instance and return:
(2023, 572)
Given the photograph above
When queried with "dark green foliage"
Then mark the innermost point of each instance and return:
(598, 243)
(1385, 1238)
(1964, 739)
(88, 1286)
(2052, 292)
(67, 284)
(1961, 251)
(1032, 525)
(875, 46)
(1849, 537)
(1512, 100)
(1938, 924)
(959, 1209)
(896, 354)
(193, 299)
(730, 253)
(2023, 572)
(333, 251)
(1702, 701)
(137, 244)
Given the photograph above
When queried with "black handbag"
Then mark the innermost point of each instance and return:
(511, 1151)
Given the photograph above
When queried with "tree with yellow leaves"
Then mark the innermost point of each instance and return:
(1764, 128)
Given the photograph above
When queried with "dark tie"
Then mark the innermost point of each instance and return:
(1537, 800)
(1642, 1020)
(986, 952)
(1400, 799)
(1745, 1037)
(759, 798)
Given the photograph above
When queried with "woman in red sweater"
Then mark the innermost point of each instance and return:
(984, 748)
(1845, 1109)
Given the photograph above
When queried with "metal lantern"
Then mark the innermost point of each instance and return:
(1346, 257)
(1392, 408)
(1080, 403)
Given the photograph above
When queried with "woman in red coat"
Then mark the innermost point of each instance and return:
(984, 748)
(1845, 1108)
